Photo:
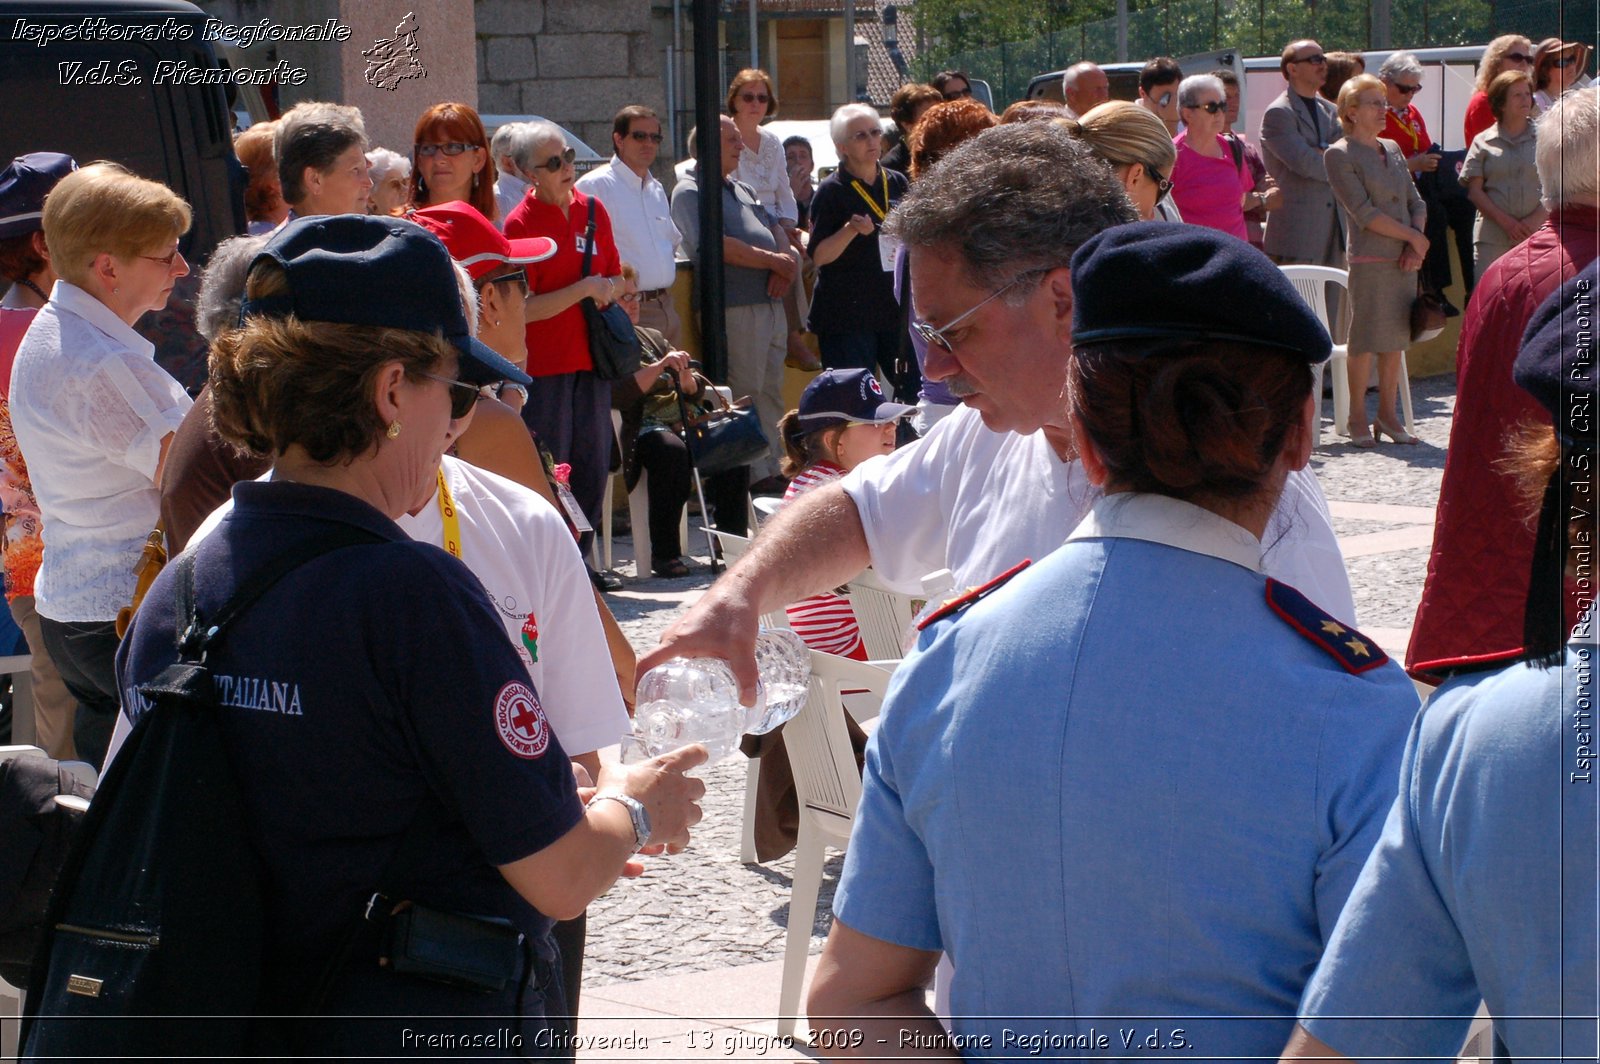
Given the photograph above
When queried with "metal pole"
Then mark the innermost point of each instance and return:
(675, 69)
(755, 41)
(708, 156)
(1122, 31)
(849, 51)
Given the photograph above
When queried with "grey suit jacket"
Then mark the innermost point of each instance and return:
(1307, 227)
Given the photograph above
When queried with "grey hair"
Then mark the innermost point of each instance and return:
(381, 162)
(500, 142)
(1069, 78)
(469, 296)
(216, 307)
(1567, 150)
(1399, 65)
(839, 124)
(1014, 199)
(1190, 88)
(530, 137)
(314, 134)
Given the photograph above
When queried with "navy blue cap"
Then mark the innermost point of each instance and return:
(357, 269)
(1159, 280)
(23, 187)
(846, 396)
(1556, 360)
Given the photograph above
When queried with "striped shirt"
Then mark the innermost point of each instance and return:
(825, 622)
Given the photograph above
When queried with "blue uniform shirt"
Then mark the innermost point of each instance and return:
(1121, 786)
(1483, 884)
(365, 685)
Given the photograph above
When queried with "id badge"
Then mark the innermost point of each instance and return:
(569, 503)
(887, 247)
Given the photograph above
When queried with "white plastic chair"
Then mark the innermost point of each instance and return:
(886, 616)
(639, 516)
(828, 787)
(1311, 282)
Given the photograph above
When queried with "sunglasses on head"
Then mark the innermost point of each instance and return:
(1408, 90)
(463, 396)
(454, 147)
(958, 94)
(556, 162)
(754, 97)
(1209, 108)
(641, 136)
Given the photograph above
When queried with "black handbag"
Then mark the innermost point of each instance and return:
(613, 347)
(724, 437)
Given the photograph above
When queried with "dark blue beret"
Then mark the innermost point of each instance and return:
(1159, 279)
(1556, 361)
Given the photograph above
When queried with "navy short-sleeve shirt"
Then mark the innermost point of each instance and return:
(854, 292)
(370, 684)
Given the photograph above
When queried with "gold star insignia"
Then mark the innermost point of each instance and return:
(1333, 627)
(1358, 648)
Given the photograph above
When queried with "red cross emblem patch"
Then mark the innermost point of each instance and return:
(519, 719)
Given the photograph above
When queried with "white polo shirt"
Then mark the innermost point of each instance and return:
(90, 408)
(641, 220)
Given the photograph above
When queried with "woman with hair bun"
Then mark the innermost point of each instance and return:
(1136, 144)
(1196, 758)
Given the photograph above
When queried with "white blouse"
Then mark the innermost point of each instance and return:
(766, 172)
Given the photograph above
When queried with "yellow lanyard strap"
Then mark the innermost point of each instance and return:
(447, 514)
(861, 190)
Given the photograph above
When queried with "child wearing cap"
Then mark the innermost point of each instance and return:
(843, 420)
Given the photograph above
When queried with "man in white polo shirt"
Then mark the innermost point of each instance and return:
(641, 217)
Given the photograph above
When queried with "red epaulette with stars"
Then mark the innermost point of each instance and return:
(1356, 652)
(960, 602)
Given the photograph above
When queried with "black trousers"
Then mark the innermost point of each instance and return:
(662, 454)
(85, 653)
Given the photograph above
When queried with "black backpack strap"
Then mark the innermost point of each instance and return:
(196, 637)
(588, 239)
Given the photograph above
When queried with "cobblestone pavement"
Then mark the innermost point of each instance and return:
(705, 910)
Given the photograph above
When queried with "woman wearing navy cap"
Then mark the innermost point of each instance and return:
(1483, 885)
(354, 371)
(1128, 791)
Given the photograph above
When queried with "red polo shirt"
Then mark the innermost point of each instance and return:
(561, 344)
(1407, 130)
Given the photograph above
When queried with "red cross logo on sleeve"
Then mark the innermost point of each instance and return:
(520, 720)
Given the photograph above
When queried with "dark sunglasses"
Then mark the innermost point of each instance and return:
(1163, 184)
(1317, 59)
(867, 134)
(556, 162)
(1407, 90)
(754, 97)
(958, 93)
(1564, 61)
(454, 147)
(1517, 57)
(641, 136)
(1209, 108)
(519, 276)
(463, 396)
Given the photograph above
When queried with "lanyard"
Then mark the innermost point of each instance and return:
(861, 190)
(447, 514)
(1403, 120)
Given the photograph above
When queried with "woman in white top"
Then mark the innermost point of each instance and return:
(761, 162)
(93, 416)
(1557, 66)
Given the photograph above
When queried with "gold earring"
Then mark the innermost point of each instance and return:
(394, 430)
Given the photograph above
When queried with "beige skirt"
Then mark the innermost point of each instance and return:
(1381, 294)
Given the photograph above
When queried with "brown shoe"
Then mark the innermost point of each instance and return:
(800, 356)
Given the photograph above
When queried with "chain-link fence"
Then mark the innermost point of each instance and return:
(1262, 27)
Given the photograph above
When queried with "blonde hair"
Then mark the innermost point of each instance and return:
(1347, 97)
(105, 208)
(1493, 63)
(1124, 134)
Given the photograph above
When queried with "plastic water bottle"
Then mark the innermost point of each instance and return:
(696, 700)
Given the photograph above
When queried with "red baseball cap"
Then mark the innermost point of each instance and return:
(478, 245)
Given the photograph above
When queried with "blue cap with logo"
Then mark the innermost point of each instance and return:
(843, 397)
(1157, 280)
(24, 183)
(356, 269)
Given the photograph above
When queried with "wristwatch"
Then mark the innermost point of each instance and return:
(636, 813)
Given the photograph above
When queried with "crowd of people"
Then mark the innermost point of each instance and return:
(404, 398)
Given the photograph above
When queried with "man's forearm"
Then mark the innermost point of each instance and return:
(813, 544)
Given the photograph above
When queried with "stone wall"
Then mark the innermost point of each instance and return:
(574, 62)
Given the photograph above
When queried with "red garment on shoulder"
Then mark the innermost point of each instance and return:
(1480, 116)
(1477, 584)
